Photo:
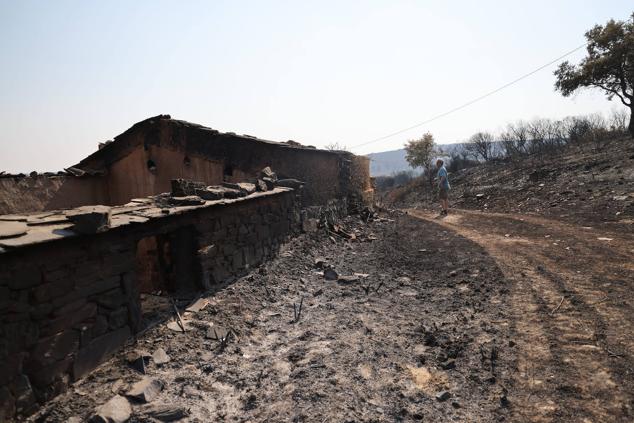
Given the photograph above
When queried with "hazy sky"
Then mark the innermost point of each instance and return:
(74, 73)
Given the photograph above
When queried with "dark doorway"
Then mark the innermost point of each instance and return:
(167, 266)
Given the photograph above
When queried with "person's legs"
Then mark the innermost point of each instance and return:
(443, 200)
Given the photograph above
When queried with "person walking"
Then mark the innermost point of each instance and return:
(443, 187)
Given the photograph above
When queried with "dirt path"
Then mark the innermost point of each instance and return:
(571, 308)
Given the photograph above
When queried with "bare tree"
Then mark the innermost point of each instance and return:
(336, 146)
(480, 145)
(618, 121)
(515, 139)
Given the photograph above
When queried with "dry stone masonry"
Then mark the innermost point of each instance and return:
(70, 281)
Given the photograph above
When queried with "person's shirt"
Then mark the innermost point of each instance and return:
(442, 172)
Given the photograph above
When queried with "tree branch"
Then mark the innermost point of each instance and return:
(623, 83)
(613, 91)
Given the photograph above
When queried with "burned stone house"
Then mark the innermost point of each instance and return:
(144, 159)
(78, 280)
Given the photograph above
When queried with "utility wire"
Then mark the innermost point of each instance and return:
(475, 100)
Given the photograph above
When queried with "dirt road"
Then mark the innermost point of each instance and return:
(571, 310)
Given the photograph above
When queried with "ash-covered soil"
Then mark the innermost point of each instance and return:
(425, 336)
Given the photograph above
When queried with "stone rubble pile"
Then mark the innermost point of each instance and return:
(185, 192)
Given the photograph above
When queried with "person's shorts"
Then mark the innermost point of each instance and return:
(443, 193)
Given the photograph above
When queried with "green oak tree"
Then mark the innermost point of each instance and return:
(421, 153)
(608, 65)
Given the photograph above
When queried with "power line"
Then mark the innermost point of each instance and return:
(475, 100)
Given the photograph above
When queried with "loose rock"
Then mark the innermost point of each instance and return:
(160, 357)
(167, 413)
(443, 396)
(145, 390)
(116, 410)
(348, 279)
(90, 219)
(331, 274)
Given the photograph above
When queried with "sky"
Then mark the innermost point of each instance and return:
(76, 73)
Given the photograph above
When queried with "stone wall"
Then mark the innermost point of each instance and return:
(67, 305)
(64, 307)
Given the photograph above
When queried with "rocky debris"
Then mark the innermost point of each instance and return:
(47, 219)
(289, 183)
(185, 187)
(261, 185)
(403, 280)
(210, 193)
(198, 305)
(231, 185)
(116, 410)
(333, 334)
(117, 386)
(348, 279)
(320, 262)
(160, 357)
(217, 333)
(267, 173)
(189, 391)
(90, 219)
(12, 229)
(270, 183)
(340, 231)
(13, 218)
(175, 326)
(330, 274)
(232, 192)
(166, 413)
(75, 171)
(189, 200)
(448, 365)
(246, 187)
(443, 396)
(184, 191)
(145, 390)
(138, 359)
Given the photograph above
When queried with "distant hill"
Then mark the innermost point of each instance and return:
(389, 162)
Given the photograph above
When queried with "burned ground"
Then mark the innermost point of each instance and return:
(522, 314)
(583, 184)
(431, 317)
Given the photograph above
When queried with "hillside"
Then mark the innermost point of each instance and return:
(589, 184)
(389, 162)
